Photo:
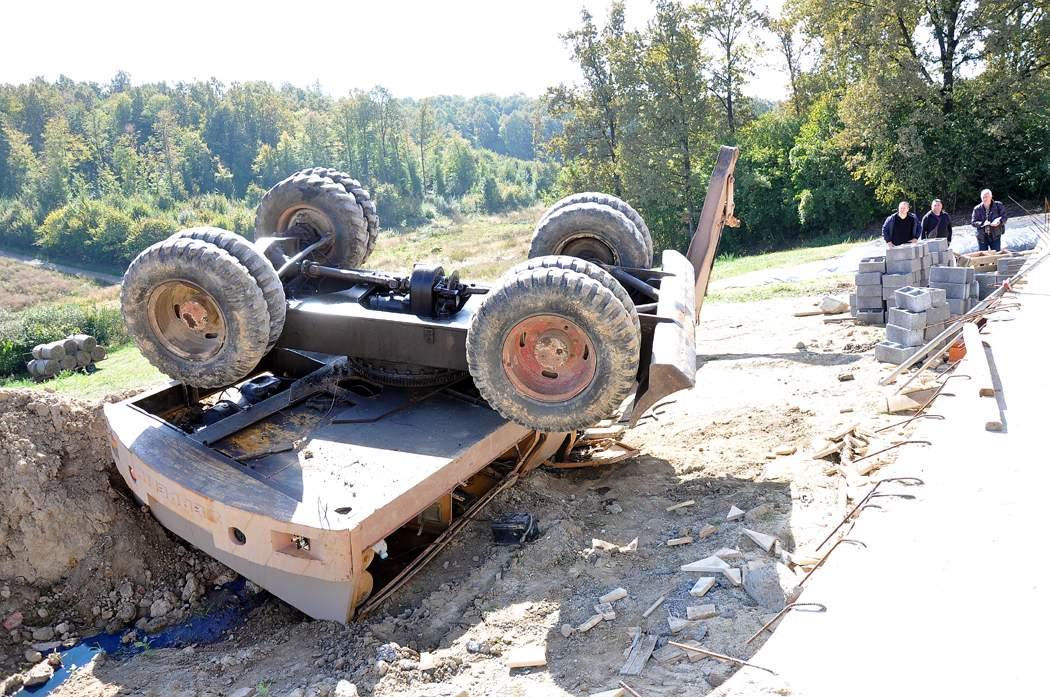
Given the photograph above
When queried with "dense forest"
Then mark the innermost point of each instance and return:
(96, 173)
(888, 99)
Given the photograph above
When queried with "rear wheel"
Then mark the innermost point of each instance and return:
(591, 231)
(364, 199)
(404, 374)
(612, 202)
(553, 349)
(258, 266)
(195, 312)
(311, 208)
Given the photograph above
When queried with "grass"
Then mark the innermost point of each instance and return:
(480, 247)
(23, 285)
(728, 265)
(124, 369)
(830, 284)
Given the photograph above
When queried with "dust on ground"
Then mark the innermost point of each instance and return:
(767, 381)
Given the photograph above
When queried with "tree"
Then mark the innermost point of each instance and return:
(792, 46)
(424, 138)
(727, 23)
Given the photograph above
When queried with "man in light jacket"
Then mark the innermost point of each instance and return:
(989, 220)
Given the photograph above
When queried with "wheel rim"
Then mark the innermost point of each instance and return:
(307, 217)
(587, 246)
(549, 358)
(186, 320)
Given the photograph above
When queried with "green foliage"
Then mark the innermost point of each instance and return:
(17, 225)
(21, 331)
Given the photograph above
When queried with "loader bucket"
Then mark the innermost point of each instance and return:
(672, 365)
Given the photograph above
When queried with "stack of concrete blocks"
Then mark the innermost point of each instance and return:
(904, 269)
(918, 316)
(867, 304)
(960, 284)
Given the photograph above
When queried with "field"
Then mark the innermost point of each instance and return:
(24, 285)
(123, 369)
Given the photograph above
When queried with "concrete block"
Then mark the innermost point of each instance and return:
(953, 290)
(938, 314)
(887, 295)
(912, 299)
(975, 289)
(959, 306)
(899, 280)
(986, 279)
(871, 317)
(904, 337)
(870, 278)
(872, 264)
(905, 318)
(952, 274)
(907, 251)
(853, 304)
(932, 331)
(869, 291)
(924, 279)
(938, 297)
(927, 262)
(937, 244)
(985, 292)
(867, 303)
(903, 265)
(889, 352)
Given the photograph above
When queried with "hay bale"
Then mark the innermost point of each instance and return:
(84, 342)
(52, 351)
(83, 358)
(97, 354)
(68, 363)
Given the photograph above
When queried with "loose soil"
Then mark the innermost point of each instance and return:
(766, 381)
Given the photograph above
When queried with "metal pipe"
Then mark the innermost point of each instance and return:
(820, 607)
(290, 264)
(632, 282)
(719, 656)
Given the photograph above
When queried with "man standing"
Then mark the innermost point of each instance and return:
(902, 227)
(989, 219)
(936, 223)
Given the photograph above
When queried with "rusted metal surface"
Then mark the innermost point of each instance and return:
(717, 212)
(549, 358)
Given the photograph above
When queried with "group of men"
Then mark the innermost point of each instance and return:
(904, 227)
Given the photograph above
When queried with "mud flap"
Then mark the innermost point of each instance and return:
(673, 364)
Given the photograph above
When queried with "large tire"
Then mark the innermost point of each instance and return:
(258, 266)
(322, 206)
(195, 312)
(534, 373)
(592, 231)
(612, 202)
(587, 269)
(364, 199)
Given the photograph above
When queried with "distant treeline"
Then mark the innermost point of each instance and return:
(98, 172)
(886, 100)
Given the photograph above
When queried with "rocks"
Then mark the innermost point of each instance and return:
(33, 656)
(39, 674)
(159, 608)
(191, 590)
(43, 634)
(734, 514)
(126, 612)
(13, 621)
(566, 630)
(381, 668)
(388, 652)
(345, 688)
(831, 305)
(717, 676)
(762, 583)
(62, 628)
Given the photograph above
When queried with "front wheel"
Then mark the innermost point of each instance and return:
(553, 349)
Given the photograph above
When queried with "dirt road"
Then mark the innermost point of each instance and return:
(766, 380)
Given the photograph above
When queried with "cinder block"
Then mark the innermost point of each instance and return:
(952, 274)
(937, 244)
(912, 299)
(958, 306)
(871, 317)
(871, 303)
(905, 318)
(889, 352)
(924, 279)
(953, 290)
(932, 331)
(870, 278)
(938, 297)
(899, 280)
(938, 314)
(907, 251)
(927, 261)
(975, 289)
(869, 291)
(872, 264)
(986, 279)
(985, 292)
(904, 337)
(887, 294)
(853, 304)
(903, 265)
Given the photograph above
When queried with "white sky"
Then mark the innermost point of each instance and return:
(414, 48)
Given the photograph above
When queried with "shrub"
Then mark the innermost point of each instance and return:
(17, 224)
(146, 232)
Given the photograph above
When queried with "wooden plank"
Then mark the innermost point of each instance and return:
(639, 656)
(656, 604)
(674, 542)
(613, 595)
(683, 504)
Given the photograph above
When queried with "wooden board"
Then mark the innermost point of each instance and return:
(639, 656)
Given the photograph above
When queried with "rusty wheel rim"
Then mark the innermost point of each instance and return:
(549, 358)
(587, 245)
(186, 320)
(308, 217)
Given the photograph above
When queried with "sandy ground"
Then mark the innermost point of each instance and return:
(766, 380)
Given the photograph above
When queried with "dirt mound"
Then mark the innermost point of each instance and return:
(77, 555)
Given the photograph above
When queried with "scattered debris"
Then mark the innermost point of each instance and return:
(618, 692)
(590, 623)
(734, 514)
(732, 575)
(674, 542)
(706, 531)
(677, 624)
(656, 604)
(613, 595)
(701, 612)
(701, 587)
(707, 565)
(606, 611)
(39, 674)
(528, 656)
(567, 630)
(639, 656)
(765, 542)
(762, 583)
(602, 545)
(831, 305)
(683, 504)
(785, 450)
(728, 554)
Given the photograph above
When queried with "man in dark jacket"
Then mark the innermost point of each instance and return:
(989, 219)
(936, 223)
(902, 227)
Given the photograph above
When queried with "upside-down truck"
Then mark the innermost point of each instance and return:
(328, 427)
